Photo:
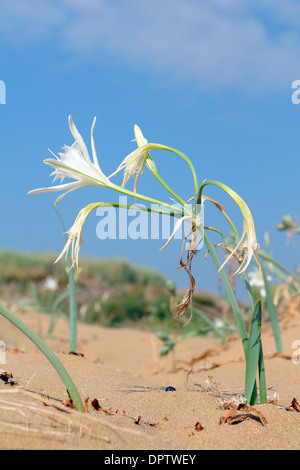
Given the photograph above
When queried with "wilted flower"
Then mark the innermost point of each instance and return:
(75, 163)
(75, 233)
(244, 250)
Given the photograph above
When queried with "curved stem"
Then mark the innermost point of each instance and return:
(48, 354)
(152, 167)
(151, 146)
(213, 229)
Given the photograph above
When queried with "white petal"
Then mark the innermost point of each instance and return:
(187, 218)
(60, 187)
(77, 136)
(95, 159)
(140, 139)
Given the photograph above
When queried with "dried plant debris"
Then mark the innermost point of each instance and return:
(295, 405)
(206, 386)
(187, 266)
(233, 403)
(198, 427)
(207, 353)
(248, 412)
(95, 404)
(277, 354)
(68, 403)
(74, 353)
(7, 378)
(137, 421)
(273, 399)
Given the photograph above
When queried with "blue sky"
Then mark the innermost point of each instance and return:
(212, 79)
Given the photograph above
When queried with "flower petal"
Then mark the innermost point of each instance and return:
(77, 136)
(187, 218)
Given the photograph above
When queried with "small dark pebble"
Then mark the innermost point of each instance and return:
(170, 389)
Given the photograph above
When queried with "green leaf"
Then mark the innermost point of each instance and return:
(272, 312)
(49, 354)
(253, 352)
(262, 377)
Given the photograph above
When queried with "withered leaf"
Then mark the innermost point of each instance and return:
(295, 405)
(198, 426)
(253, 412)
(95, 404)
(86, 405)
(277, 354)
(68, 403)
(232, 417)
(229, 415)
(74, 353)
(137, 421)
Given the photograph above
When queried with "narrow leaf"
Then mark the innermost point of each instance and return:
(272, 312)
(253, 351)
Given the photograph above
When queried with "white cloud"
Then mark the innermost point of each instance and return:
(237, 43)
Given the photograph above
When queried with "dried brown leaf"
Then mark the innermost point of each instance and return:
(232, 417)
(198, 427)
(137, 421)
(229, 415)
(68, 403)
(253, 412)
(86, 405)
(95, 404)
(295, 405)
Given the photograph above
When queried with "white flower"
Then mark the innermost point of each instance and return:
(75, 163)
(195, 221)
(75, 233)
(256, 280)
(244, 250)
(219, 323)
(134, 162)
(50, 283)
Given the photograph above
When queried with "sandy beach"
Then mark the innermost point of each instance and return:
(122, 380)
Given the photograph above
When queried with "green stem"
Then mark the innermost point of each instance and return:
(182, 155)
(213, 229)
(72, 295)
(73, 308)
(142, 197)
(152, 167)
(279, 266)
(228, 288)
(48, 354)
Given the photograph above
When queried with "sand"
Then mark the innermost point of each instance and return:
(121, 368)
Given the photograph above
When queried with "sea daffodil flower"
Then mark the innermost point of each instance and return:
(75, 163)
(134, 162)
(75, 234)
(244, 249)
